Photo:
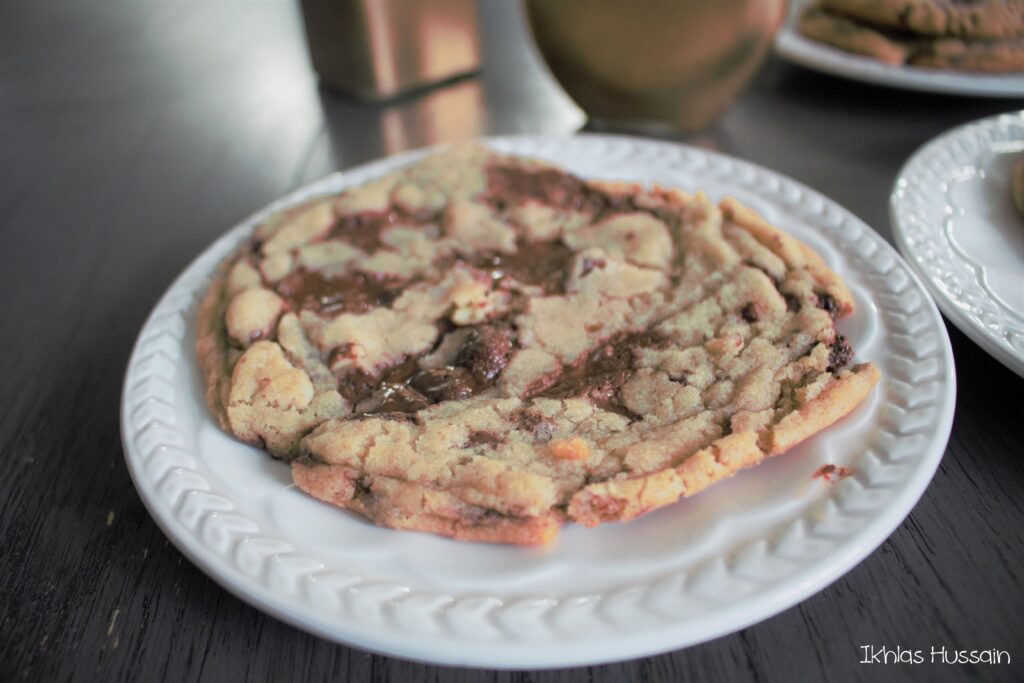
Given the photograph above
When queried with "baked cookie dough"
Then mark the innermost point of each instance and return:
(486, 347)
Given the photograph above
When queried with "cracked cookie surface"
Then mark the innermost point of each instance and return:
(487, 347)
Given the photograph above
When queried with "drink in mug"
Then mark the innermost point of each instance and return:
(672, 64)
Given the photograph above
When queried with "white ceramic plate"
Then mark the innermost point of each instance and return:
(732, 556)
(954, 219)
(791, 45)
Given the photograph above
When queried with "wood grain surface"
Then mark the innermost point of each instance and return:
(134, 133)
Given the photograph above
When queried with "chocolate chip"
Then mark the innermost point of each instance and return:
(827, 303)
(485, 353)
(307, 457)
(651, 340)
(392, 398)
(753, 264)
(443, 384)
(528, 419)
(356, 384)
(589, 264)
(542, 428)
(483, 516)
(362, 489)
(792, 303)
(484, 438)
(839, 354)
(751, 312)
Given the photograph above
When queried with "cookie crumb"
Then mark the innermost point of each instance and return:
(573, 448)
(832, 473)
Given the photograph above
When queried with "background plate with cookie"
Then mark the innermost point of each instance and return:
(927, 45)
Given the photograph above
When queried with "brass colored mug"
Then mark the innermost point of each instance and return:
(669, 64)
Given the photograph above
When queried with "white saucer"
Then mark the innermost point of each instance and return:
(954, 220)
(734, 555)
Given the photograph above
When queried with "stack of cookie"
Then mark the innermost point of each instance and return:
(967, 35)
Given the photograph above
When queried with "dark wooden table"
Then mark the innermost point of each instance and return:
(134, 133)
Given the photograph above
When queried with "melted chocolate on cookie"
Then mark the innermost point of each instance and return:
(406, 388)
(513, 184)
(484, 439)
(444, 384)
(599, 374)
(363, 230)
(349, 293)
(543, 264)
